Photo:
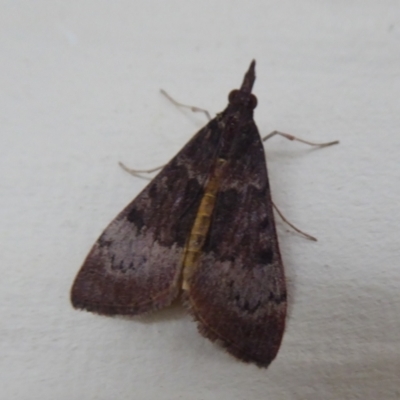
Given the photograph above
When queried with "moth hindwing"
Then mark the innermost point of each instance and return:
(203, 229)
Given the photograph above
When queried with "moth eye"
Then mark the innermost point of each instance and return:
(232, 96)
(253, 101)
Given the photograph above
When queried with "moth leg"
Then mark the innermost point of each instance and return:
(137, 172)
(291, 137)
(291, 225)
(192, 108)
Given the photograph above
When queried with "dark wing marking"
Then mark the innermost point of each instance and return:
(135, 265)
(237, 293)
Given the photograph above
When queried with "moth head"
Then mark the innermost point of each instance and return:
(242, 99)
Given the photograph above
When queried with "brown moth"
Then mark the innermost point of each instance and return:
(202, 229)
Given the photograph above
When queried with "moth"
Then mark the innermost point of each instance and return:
(203, 230)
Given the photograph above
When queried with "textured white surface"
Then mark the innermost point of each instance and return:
(79, 85)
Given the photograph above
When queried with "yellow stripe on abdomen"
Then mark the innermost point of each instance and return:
(201, 224)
